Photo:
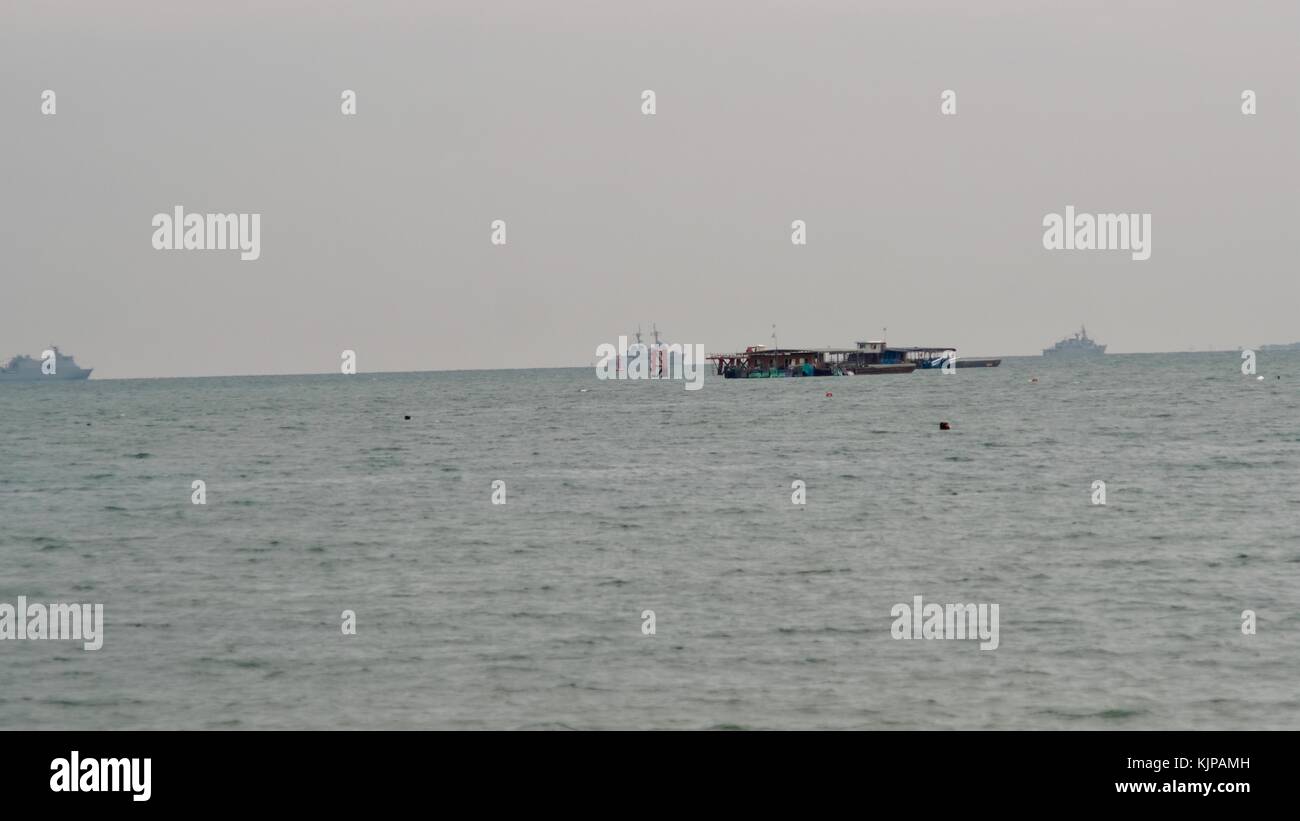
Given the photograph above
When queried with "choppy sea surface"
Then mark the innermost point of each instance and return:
(622, 497)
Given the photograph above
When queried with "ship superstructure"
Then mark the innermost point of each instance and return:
(53, 365)
(1077, 345)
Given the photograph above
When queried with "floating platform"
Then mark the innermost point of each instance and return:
(937, 364)
(866, 359)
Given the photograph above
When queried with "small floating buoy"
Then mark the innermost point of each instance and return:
(1260, 378)
(408, 418)
(944, 426)
(828, 394)
(1034, 381)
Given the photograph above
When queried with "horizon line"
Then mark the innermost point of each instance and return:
(546, 368)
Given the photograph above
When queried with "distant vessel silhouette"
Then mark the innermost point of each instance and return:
(23, 368)
(1077, 345)
(659, 361)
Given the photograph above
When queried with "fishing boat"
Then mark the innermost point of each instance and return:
(866, 358)
(762, 362)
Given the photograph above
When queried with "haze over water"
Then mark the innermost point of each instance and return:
(376, 228)
(321, 497)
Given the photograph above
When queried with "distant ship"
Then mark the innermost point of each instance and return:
(1077, 345)
(664, 362)
(659, 361)
(24, 368)
(1294, 346)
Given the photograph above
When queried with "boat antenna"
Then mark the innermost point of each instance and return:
(774, 345)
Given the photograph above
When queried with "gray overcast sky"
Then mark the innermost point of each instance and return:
(375, 228)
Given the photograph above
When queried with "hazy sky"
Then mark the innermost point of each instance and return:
(376, 227)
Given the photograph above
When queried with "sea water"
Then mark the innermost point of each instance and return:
(627, 497)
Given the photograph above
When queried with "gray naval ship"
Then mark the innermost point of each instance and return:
(1077, 345)
(61, 367)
